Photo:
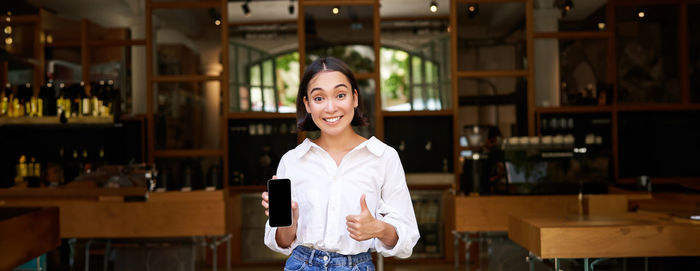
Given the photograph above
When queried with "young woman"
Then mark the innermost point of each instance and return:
(349, 193)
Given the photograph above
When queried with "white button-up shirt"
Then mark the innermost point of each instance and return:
(327, 193)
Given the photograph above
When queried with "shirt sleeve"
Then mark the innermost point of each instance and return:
(271, 232)
(395, 208)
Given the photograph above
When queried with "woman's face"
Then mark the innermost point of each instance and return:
(331, 102)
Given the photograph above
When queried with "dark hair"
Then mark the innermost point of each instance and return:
(324, 64)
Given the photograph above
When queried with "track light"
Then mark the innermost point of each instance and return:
(291, 7)
(335, 10)
(641, 14)
(565, 6)
(433, 6)
(472, 10)
(245, 8)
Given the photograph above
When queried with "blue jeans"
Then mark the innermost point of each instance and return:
(309, 259)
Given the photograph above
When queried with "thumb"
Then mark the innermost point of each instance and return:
(363, 204)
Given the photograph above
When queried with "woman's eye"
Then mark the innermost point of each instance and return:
(342, 95)
(318, 99)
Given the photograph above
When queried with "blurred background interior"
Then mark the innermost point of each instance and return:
(138, 134)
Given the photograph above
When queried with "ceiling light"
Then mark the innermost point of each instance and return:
(472, 10)
(245, 8)
(433, 6)
(291, 7)
(8, 41)
(601, 26)
(8, 30)
(336, 10)
(641, 14)
(217, 22)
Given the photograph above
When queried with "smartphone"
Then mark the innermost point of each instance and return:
(279, 192)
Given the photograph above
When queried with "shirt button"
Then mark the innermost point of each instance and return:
(325, 258)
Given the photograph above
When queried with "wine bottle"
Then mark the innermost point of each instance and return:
(5, 95)
(25, 93)
(85, 108)
(48, 97)
(95, 99)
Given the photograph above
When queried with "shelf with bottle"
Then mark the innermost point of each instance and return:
(62, 153)
(59, 103)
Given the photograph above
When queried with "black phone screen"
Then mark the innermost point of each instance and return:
(280, 202)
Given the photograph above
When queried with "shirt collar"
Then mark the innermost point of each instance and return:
(374, 145)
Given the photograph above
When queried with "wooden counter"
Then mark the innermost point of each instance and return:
(108, 215)
(26, 233)
(639, 234)
(490, 213)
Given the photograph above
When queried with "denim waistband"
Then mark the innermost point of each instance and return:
(320, 257)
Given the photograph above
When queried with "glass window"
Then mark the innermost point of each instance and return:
(493, 38)
(583, 72)
(187, 115)
(367, 92)
(647, 54)
(182, 41)
(344, 32)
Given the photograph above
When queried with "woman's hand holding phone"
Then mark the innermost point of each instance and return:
(285, 235)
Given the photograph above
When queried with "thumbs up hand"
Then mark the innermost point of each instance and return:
(363, 226)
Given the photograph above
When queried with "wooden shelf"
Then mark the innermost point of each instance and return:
(247, 188)
(261, 115)
(422, 113)
(574, 35)
(659, 107)
(180, 153)
(54, 120)
(576, 109)
(58, 192)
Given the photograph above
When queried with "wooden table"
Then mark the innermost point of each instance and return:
(476, 214)
(26, 233)
(638, 234)
(108, 213)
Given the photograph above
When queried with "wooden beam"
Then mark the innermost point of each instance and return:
(494, 73)
(453, 29)
(378, 119)
(224, 88)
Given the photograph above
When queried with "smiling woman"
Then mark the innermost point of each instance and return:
(334, 171)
